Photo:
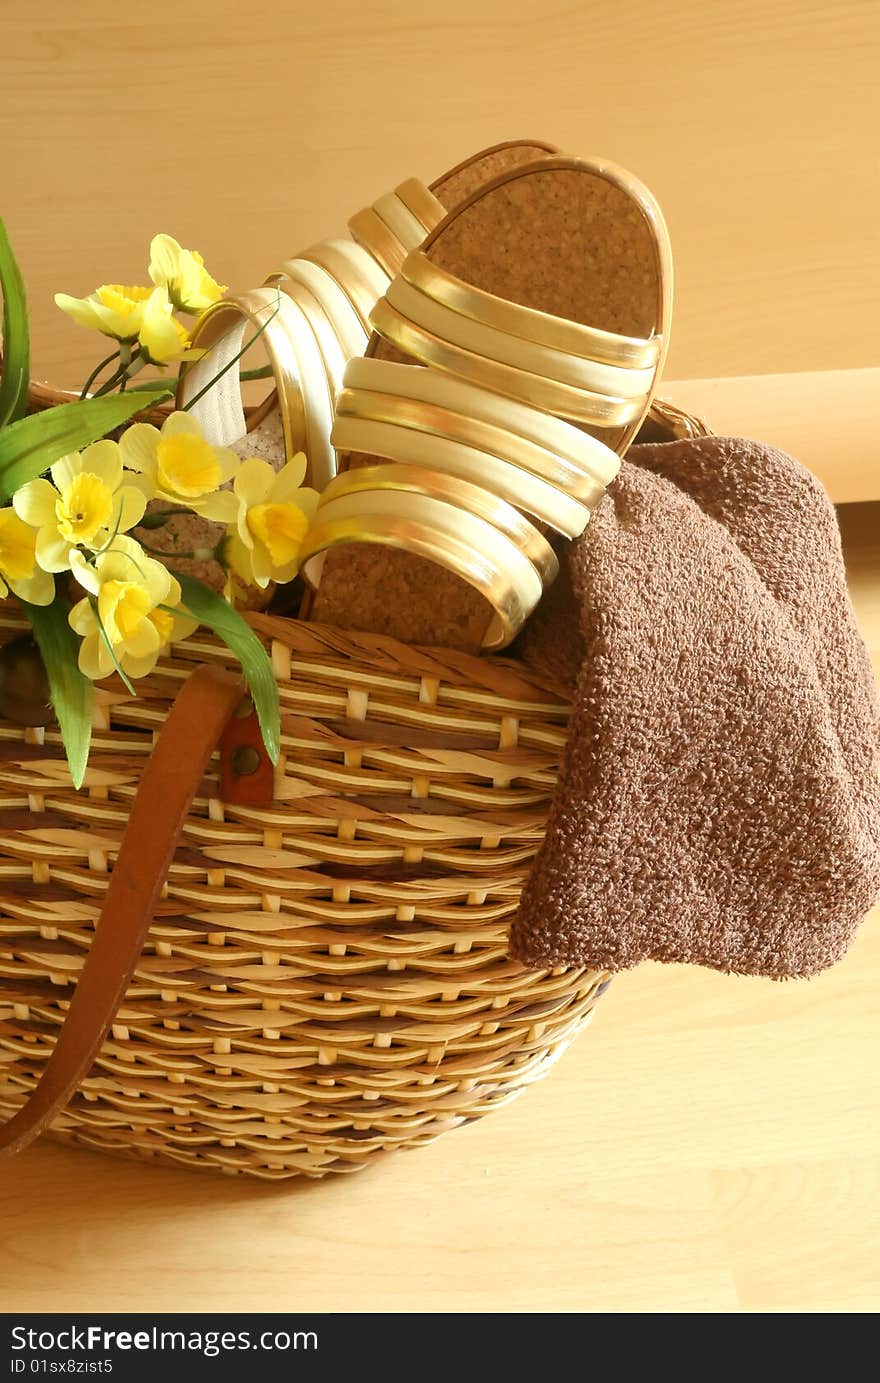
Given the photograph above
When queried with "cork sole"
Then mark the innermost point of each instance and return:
(459, 184)
(582, 240)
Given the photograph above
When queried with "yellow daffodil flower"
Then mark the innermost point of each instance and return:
(88, 499)
(274, 512)
(160, 334)
(126, 589)
(114, 309)
(182, 272)
(179, 465)
(18, 562)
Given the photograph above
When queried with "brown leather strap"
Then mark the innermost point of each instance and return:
(169, 783)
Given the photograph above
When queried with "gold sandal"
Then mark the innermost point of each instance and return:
(539, 313)
(314, 312)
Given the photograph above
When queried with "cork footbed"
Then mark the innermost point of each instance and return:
(461, 182)
(581, 240)
(452, 189)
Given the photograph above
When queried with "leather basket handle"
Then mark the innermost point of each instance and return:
(200, 713)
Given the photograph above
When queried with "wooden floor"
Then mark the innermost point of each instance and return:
(711, 1144)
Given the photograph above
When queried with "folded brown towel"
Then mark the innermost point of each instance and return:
(719, 801)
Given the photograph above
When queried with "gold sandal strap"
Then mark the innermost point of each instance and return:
(427, 527)
(421, 202)
(334, 301)
(407, 446)
(497, 443)
(332, 354)
(219, 331)
(367, 481)
(552, 441)
(459, 465)
(553, 396)
(297, 364)
(316, 389)
(528, 323)
(483, 339)
(356, 272)
(396, 223)
(370, 232)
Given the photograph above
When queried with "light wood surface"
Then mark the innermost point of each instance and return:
(826, 418)
(251, 130)
(710, 1144)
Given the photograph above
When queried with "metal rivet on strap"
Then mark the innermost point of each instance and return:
(245, 760)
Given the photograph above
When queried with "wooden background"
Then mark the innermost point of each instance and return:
(251, 129)
(712, 1143)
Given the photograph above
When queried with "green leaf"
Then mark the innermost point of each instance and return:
(70, 690)
(211, 609)
(30, 446)
(15, 380)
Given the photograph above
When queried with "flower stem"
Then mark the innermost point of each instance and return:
(125, 372)
(124, 361)
(96, 371)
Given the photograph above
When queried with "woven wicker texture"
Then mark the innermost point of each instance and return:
(325, 979)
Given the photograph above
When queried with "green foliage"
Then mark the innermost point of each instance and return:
(71, 692)
(30, 446)
(15, 373)
(211, 609)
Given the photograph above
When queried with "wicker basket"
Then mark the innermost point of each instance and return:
(325, 979)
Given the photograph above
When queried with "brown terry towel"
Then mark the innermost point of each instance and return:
(719, 801)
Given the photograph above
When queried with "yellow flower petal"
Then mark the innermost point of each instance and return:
(94, 657)
(17, 547)
(139, 667)
(228, 462)
(160, 334)
(103, 459)
(183, 273)
(65, 470)
(262, 566)
(239, 557)
(84, 508)
(165, 255)
(280, 528)
(37, 589)
(122, 608)
(220, 508)
(158, 582)
(184, 625)
(35, 502)
(186, 466)
(82, 618)
(85, 574)
(288, 480)
(129, 505)
(307, 500)
(138, 446)
(163, 622)
(114, 309)
(181, 421)
(142, 636)
(53, 551)
(82, 310)
(254, 480)
(126, 562)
